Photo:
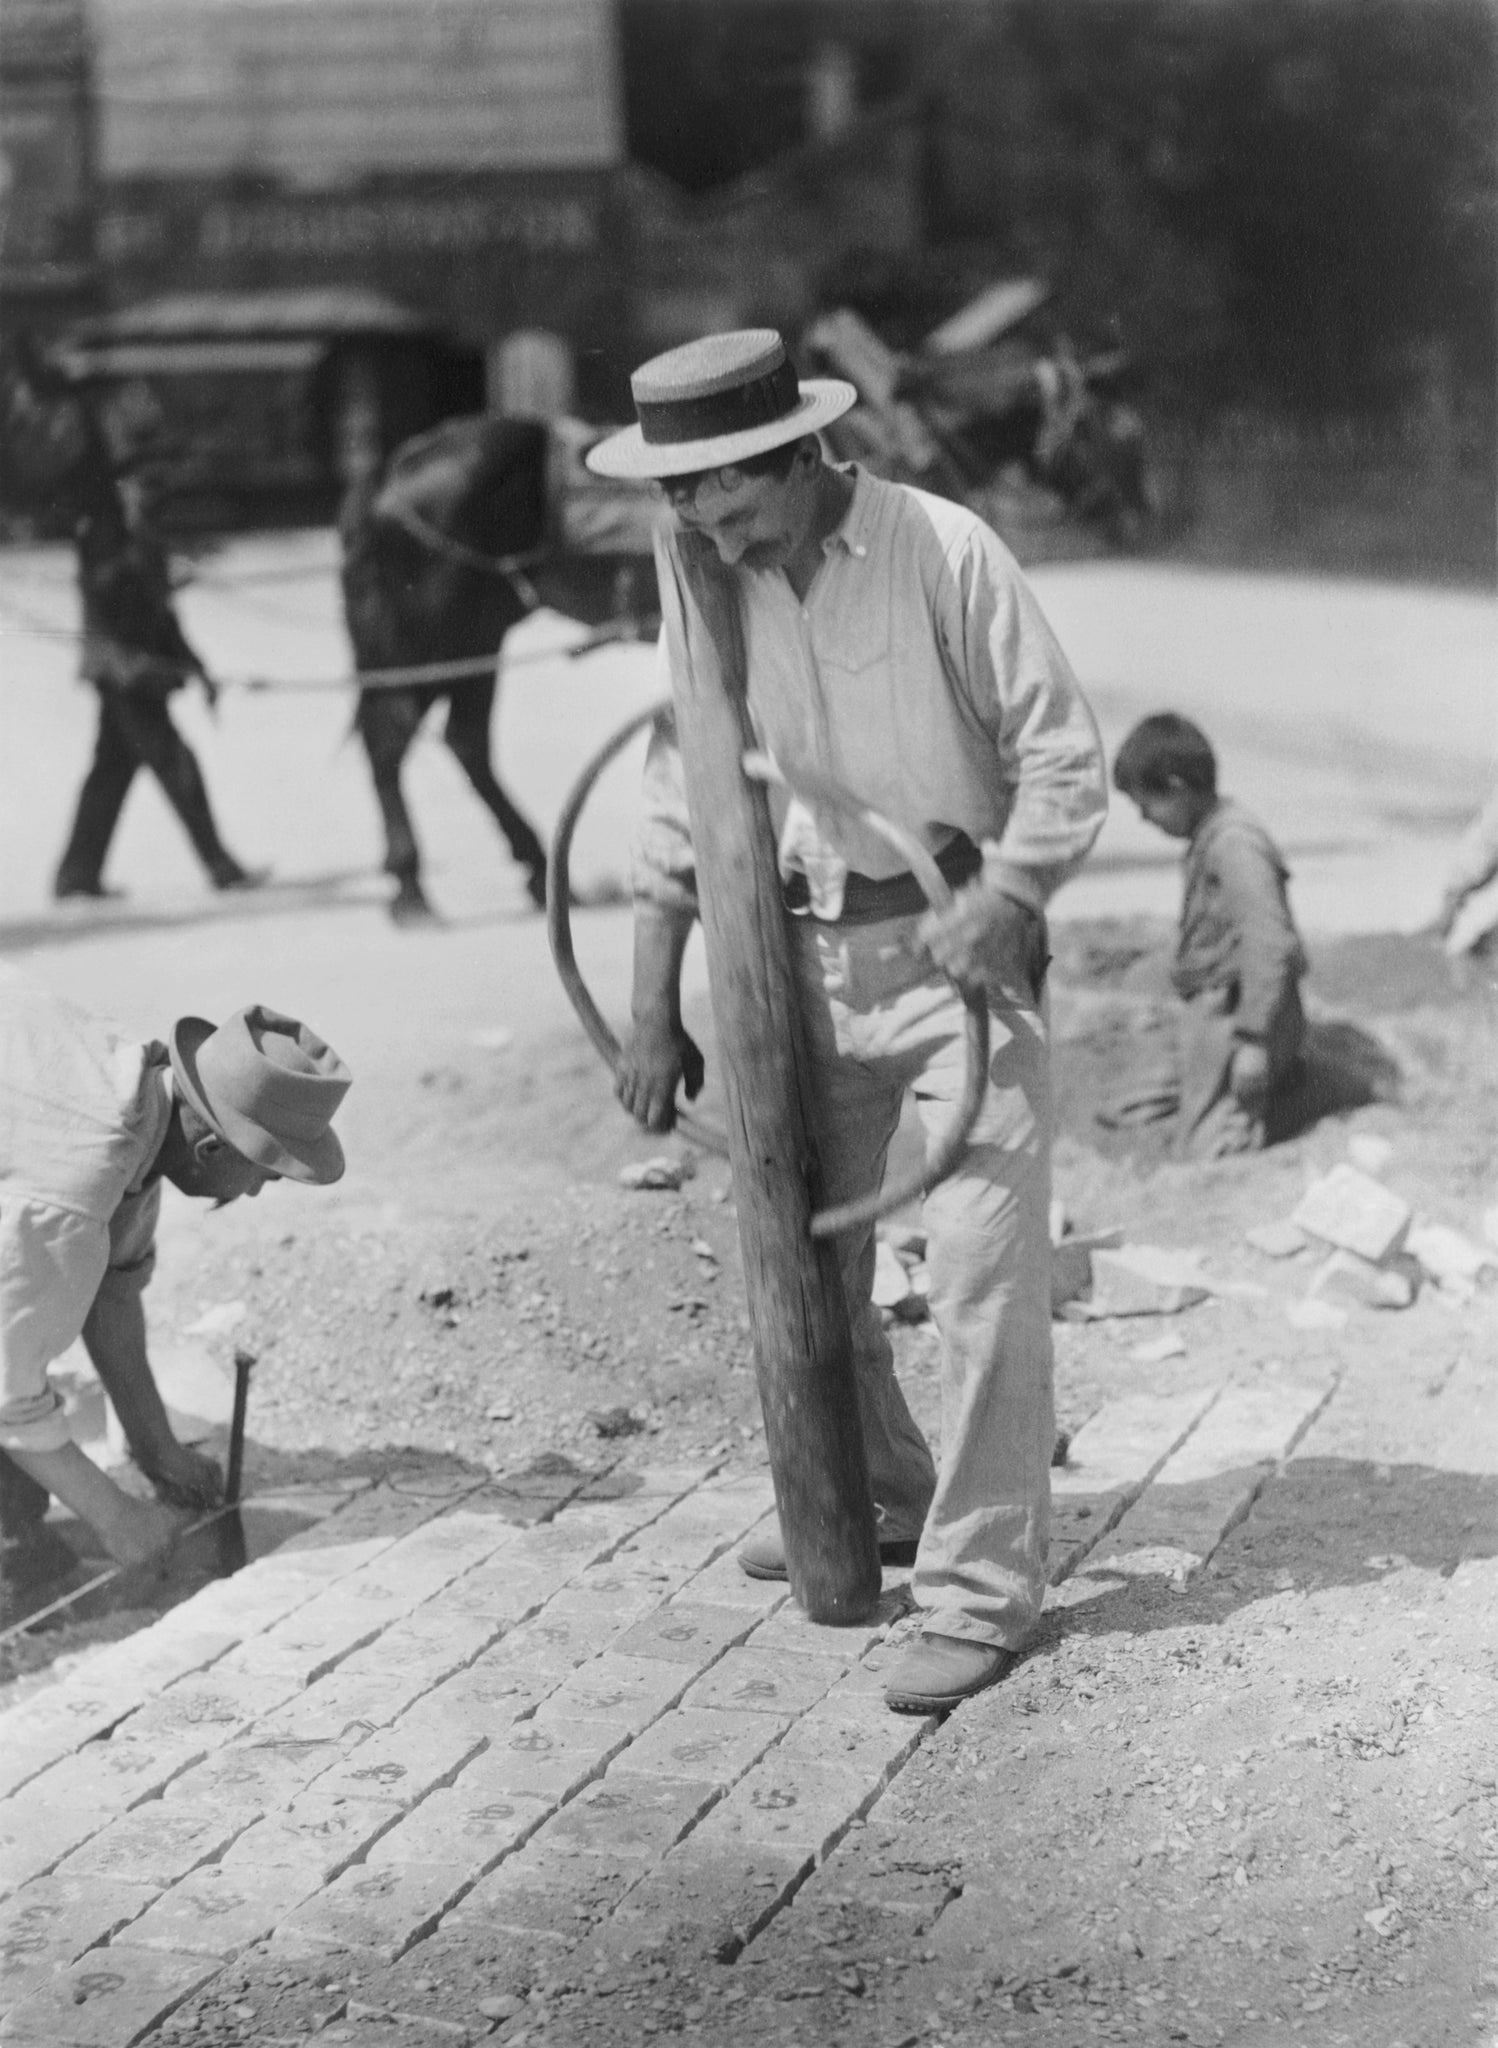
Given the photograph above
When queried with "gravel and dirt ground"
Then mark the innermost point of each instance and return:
(1256, 1804)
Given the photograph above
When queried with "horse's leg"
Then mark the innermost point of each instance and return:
(388, 721)
(467, 733)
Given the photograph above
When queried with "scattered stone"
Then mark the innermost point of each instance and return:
(660, 1172)
(1155, 1350)
(218, 1321)
(891, 1279)
(1449, 1255)
(1071, 1274)
(1314, 1314)
(1281, 1240)
(1121, 1288)
(1355, 1212)
(612, 1422)
(1168, 1264)
(704, 1251)
(493, 1038)
(1368, 1152)
(1345, 1275)
(502, 2008)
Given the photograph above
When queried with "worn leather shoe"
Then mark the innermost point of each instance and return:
(230, 875)
(64, 889)
(763, 1556)
(940, 1672)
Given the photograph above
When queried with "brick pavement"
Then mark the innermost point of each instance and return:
(451, 1730)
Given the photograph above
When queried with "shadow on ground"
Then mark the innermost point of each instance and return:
(64, 1592)
(90, 918)
(1321, 1523)
(1113, 1019)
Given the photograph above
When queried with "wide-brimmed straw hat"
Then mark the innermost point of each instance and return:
(716, 401)
(268, 1086)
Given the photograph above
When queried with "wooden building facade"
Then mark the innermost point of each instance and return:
(456, 156)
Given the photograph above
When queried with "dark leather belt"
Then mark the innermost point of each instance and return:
(866, 901)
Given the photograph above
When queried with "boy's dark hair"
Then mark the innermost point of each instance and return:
(1163, 750)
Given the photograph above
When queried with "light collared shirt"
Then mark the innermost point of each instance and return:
(83, 1114)
(919, 672)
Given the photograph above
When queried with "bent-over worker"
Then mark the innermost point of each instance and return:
(91, 1123)
(892, 644)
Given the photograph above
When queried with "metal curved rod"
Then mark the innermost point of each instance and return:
(829, 796)
(820, 792)
(559, 919)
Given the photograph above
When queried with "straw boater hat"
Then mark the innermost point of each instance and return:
(716, 401)
(268, 1086)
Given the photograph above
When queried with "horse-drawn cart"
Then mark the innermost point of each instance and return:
(1022, 426)
(267, 404)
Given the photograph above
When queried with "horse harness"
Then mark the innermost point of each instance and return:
(510, 568)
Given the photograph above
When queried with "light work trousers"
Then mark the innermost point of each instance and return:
(880, 1021)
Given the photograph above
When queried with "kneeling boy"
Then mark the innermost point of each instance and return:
(1239, 960)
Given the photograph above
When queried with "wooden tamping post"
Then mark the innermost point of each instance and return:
(799, 1320)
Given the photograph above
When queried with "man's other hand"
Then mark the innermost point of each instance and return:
(184, 1478)
(988, 943)
(138, 1530)
(654, 1060)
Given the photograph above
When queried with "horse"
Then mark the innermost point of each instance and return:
(60, 473)
(446, 549)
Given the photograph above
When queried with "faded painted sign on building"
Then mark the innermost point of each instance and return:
(45, 238)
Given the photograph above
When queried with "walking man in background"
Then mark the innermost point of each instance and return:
(892, 644)
(136, 655)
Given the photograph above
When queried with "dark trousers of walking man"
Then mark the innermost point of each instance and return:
(136, 731)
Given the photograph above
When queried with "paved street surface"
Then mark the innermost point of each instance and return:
(466, 1739)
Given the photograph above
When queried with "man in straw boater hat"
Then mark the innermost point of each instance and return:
(90, 1125)
(892, 644)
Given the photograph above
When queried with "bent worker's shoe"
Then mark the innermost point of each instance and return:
(940, 1672)
(763, 1556)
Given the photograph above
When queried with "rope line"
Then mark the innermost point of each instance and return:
(625, 631)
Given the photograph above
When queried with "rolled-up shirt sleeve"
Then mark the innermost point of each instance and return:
(1021, 686)
(51, 1264)
(664, 867)
(55, 1265)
